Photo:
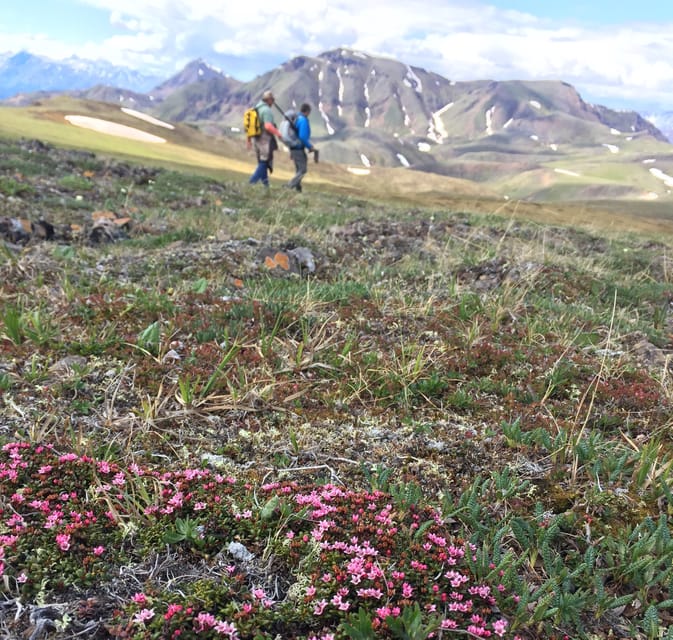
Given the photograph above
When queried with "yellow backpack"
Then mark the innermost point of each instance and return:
(251, 123)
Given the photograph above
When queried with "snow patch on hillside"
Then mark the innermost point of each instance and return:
(146, 118)
(365, 160)
(567, 172)
(615, 132)
(424, 146)
(113, 129)
(611, 147)
(535, 103)
(658, 173)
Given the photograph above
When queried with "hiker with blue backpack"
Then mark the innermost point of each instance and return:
(265, 142)
(296, 134)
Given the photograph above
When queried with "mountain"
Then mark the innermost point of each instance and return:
(378, 111)
(196, 72)
(24, 72)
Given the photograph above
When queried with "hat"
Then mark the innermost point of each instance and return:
(267, 94)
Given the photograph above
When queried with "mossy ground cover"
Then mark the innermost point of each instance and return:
(457, 426)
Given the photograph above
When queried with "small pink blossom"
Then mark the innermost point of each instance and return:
(63, 541)
(143, 616)
(204, 621)
(499, 627)
(319, 607)
(98, 551)
(226, 629)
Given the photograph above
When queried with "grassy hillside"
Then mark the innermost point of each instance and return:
(346, 413)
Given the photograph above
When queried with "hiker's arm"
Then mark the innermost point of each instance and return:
(272, 129)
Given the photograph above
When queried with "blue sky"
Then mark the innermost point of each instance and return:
(615, 53)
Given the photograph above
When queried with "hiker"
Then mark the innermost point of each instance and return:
(265, 143)
(298, 151)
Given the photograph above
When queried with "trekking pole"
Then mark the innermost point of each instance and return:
(292, 124)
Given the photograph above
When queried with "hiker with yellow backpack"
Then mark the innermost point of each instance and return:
(261, 133)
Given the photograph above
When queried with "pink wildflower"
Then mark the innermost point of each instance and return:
(499, 627)
(143, 616)
(98, 551)
(204, 621)
(63, 541)
(119, 479)
(172, 610)
(227, 629)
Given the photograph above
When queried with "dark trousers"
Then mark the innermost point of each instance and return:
(301, 167)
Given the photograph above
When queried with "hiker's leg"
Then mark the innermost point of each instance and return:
(301, 167)
(261, 173)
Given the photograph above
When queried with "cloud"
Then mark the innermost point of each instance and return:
(460, 40)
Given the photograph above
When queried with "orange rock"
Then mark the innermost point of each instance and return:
(282, 260)
(103, 215)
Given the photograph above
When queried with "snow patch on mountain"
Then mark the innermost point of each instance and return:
(415, 81)
(325, 117)
(340, 92)
(436, 129)
(489, 121)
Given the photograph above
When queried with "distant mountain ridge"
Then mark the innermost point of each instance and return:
(24, 72)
